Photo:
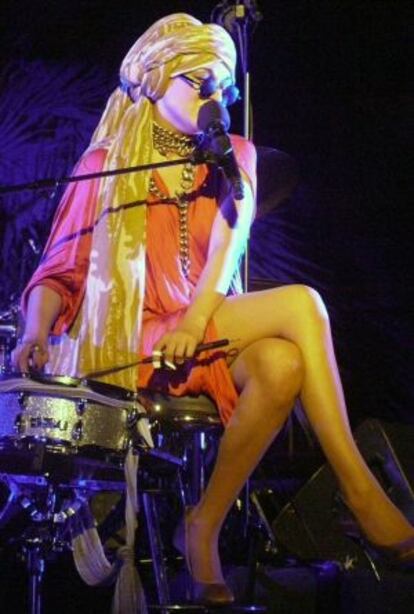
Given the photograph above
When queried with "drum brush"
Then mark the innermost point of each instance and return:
(157, 359)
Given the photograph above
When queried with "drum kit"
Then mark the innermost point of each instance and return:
(62, 441)
(63, 446)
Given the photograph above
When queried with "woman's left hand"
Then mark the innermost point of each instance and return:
(180, 344)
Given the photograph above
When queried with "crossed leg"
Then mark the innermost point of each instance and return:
(265, 402)
(285, 348)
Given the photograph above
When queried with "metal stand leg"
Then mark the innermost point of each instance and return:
(197, 467)
(156, 547)
(36, 568)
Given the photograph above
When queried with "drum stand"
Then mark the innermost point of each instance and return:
(35, 549)
(35, 566)
(47, 533)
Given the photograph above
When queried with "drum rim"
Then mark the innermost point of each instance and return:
(67, 381)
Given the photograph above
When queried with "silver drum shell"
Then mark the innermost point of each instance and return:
(62, 420)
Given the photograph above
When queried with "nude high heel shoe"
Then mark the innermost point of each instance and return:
(398, 556)
(204, 593)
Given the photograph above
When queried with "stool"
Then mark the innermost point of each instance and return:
(187, 419)
(185, 422)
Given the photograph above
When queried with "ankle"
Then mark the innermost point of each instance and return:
(359, 498)
(203, 523)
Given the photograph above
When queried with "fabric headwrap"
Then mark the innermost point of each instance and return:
(106, 330)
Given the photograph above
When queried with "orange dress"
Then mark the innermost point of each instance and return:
(168, 292)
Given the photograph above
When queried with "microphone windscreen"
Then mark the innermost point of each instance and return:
(211, 114)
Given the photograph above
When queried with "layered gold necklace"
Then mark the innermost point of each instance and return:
(169, 143)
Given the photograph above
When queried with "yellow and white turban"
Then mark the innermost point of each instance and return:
(173, 45)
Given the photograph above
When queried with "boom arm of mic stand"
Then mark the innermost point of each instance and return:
(54, 183)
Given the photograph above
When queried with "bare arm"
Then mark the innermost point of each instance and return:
(43, 307)
(228, 238)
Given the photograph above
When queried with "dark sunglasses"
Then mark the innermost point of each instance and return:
(207, 87)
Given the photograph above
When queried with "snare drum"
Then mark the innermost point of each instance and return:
(69, 416)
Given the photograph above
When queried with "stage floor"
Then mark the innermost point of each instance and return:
(318, 589)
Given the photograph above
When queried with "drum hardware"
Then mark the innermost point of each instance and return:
(97, 486)
(81, 406)
(77, 431)
(132, 418)
(33, 482)
(22, 398)
(11, 314)
(48, 510)
(38, 499)
(36, 513)
(18, 424)
(9, 506)
(8, 330)
(8, 334)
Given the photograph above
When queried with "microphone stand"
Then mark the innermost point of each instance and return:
(199, 157)
(240, 19)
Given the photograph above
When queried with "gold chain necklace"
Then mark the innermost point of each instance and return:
(166, 143)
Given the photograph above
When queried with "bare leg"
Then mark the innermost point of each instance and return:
(266, 398)
(297, 313)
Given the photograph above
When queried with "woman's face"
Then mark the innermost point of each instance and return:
(178, 108)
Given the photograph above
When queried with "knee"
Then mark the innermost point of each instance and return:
(309, 303)
(279, 369)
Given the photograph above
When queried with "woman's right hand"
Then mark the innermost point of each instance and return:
(30, 354)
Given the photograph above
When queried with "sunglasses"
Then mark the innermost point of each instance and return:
(207, 87)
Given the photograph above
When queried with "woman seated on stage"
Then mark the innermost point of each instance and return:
(87, 307)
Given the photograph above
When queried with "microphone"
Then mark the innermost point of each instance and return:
(214, 121)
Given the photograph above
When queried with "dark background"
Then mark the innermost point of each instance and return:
(329, 86)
